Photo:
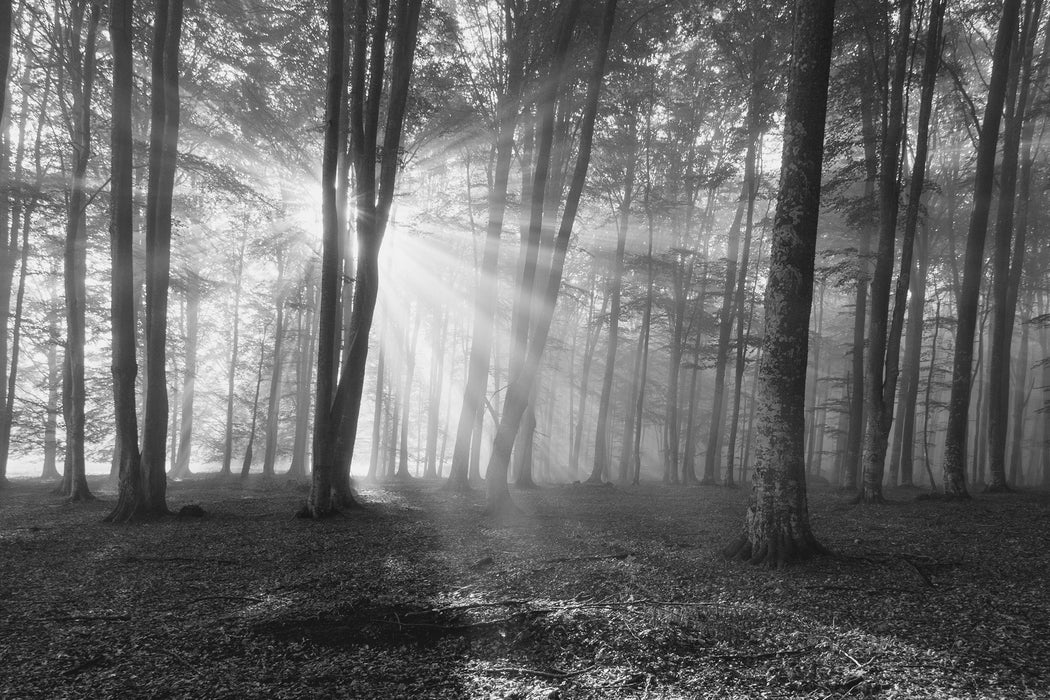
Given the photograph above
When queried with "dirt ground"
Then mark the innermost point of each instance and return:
(594, 592)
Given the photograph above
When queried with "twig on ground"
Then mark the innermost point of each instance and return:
(556, 675)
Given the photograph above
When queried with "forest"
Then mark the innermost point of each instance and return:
(545, 319)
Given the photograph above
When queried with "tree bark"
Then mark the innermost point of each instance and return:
(776, 524)
(133, 500)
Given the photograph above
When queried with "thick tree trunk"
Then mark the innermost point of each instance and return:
(776, 524)
(959, 405)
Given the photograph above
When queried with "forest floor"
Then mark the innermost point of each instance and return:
(592, 592)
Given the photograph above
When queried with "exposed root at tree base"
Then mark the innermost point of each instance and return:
(774, 553)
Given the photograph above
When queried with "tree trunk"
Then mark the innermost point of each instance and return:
(246, 464)
(83, 78)
(959, 405)
(855, 440)
(303, 374)
(498, 496)
(601, 440)
(437, 385)
(133, 499)
(337, 413)
(273, 404)
(725, 330)
(227, 451)
(164, 134)
(880, 384)
(1006, 307)
(507, 108)
(181, 466)
(776, 524)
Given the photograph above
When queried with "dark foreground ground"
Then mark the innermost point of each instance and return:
(601, 592)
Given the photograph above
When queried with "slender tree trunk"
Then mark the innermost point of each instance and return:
(1006, 307)
(880, 384)
(725, 330)
(273, 404)
(905, 452)
(181, 465)
(83, 78)
(507, 109)
(437, 371)
(377, 417)
(521, 385)
(406, 395)
(164, 134)
(602, 460)
(246, 464)
(303, 375)
(959, 406)
(855, 440)
(133, 499)
(339, 406)
(227, 452)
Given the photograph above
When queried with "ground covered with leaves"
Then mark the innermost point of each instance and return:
(592, 592)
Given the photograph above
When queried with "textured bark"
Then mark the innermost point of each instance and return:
(776, 524)
(959, 403)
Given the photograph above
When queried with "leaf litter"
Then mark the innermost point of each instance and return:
(589, 593)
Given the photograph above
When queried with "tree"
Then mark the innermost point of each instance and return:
(163, 149)
(968, 301)
(338, 396)
(776, 523)
(82, 75)
(517, 396)
(133, 500)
